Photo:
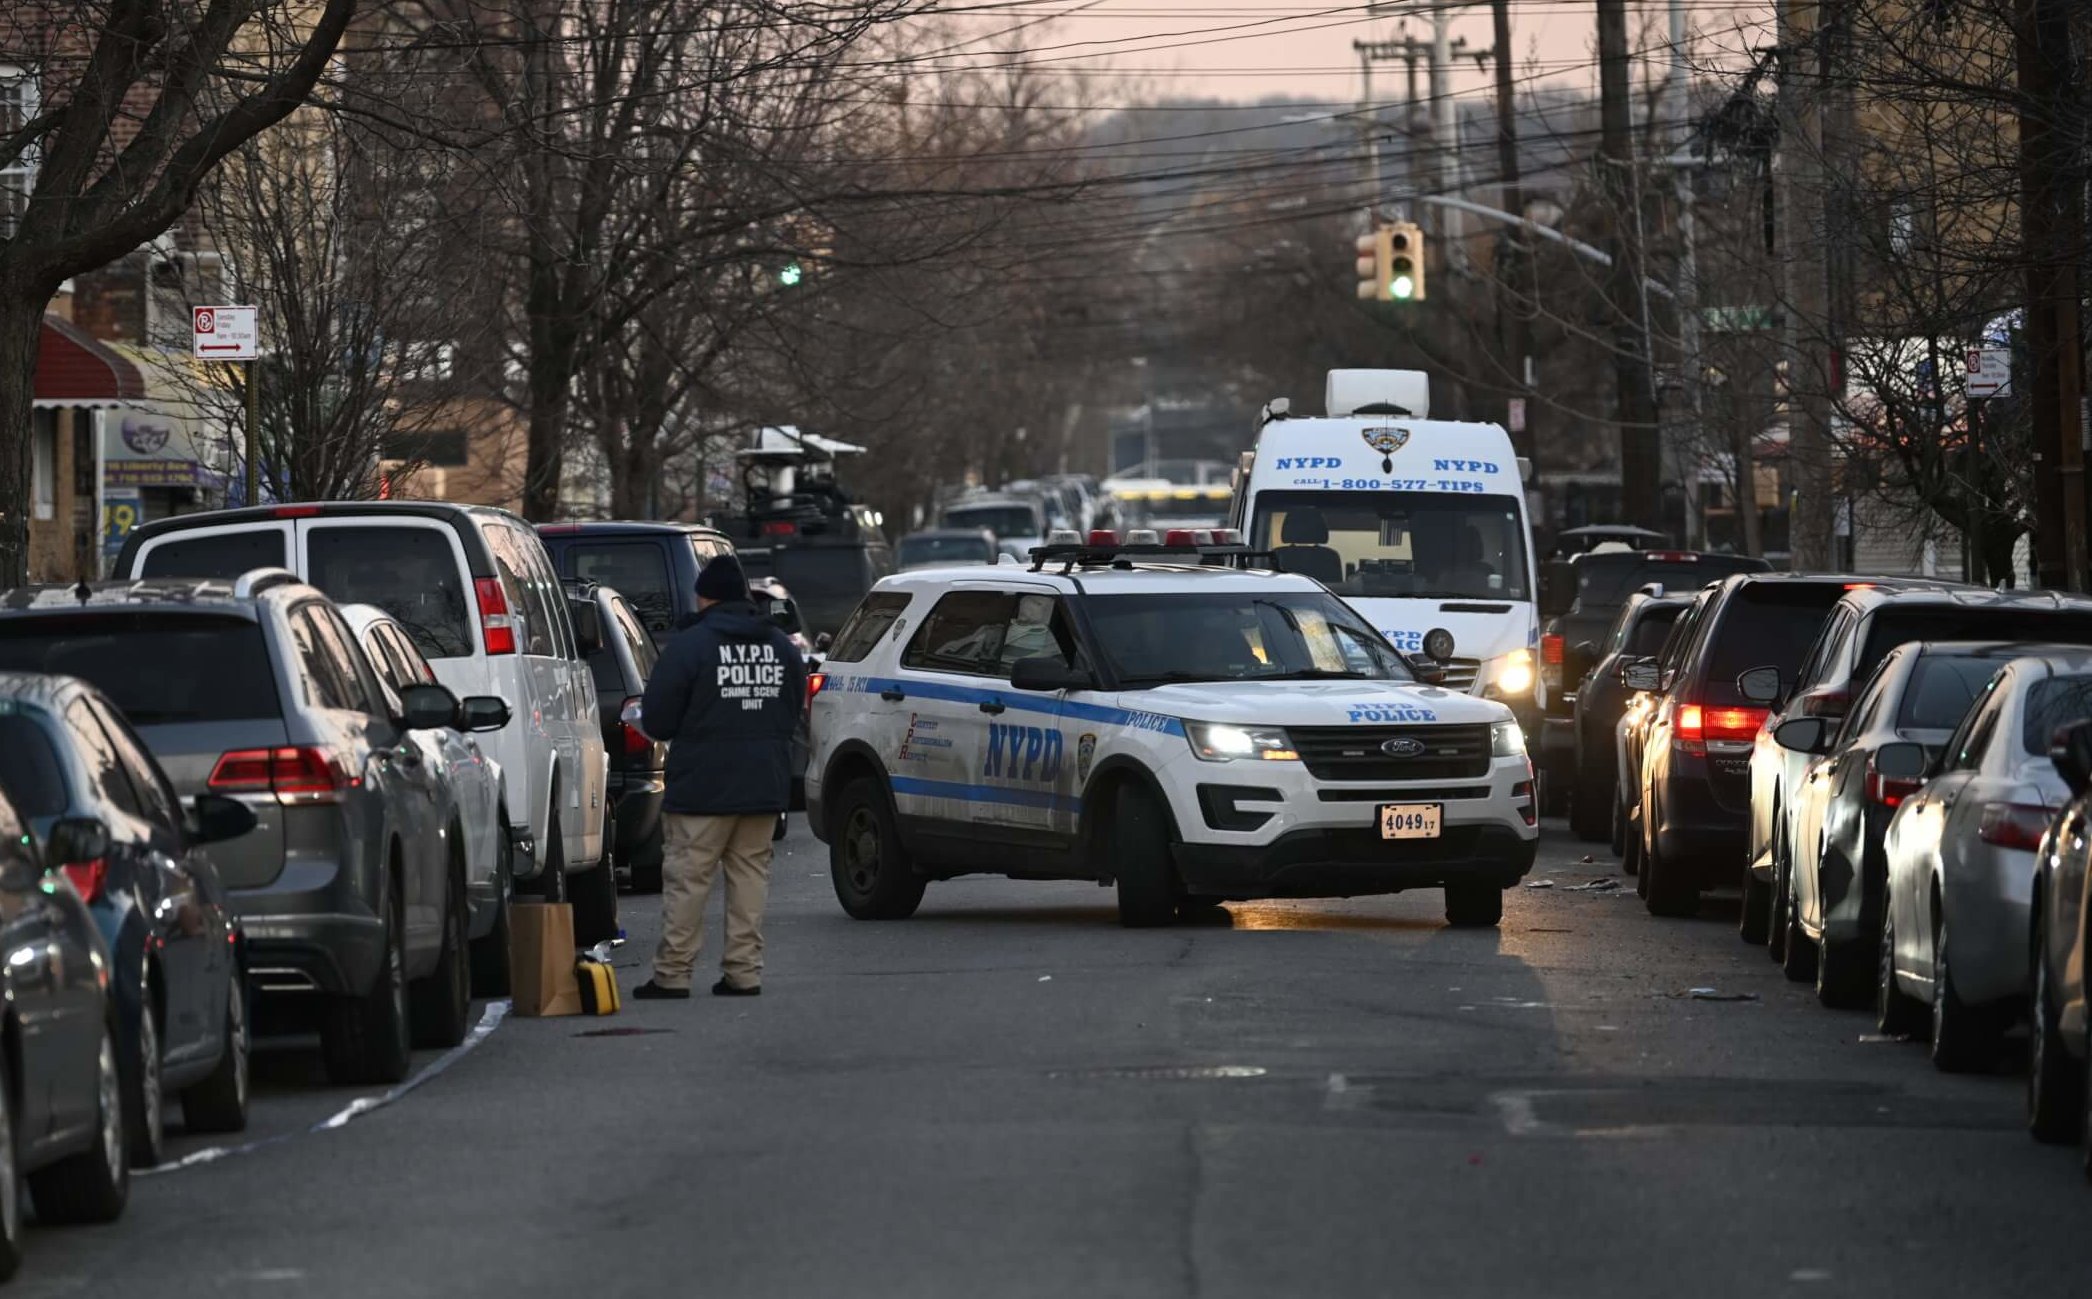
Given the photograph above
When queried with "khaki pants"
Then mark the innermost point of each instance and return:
(694, 850)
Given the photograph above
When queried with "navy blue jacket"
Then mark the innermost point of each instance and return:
(726, 695)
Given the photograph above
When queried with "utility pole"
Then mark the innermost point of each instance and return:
(1514, 330)
(1641, 476)
(2052, 209)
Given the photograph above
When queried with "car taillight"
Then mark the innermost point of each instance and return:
(292, 774)
(814, 682)
(1890, 791)
(1697, 725)
(2013, 825)
(636, 740)
(1551, 662)
(778, 528)
(88, 877)
(496, 628)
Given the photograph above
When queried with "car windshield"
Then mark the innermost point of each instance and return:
(915, 551)
(2053, 703)
(411, 573)
(1292, 635)
(1605, 581)
(160, 669)
(1941, 690)
(1765, 624)
(1002, 520)
(1429, 544)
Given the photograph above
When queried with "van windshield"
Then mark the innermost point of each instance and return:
(1441, 545)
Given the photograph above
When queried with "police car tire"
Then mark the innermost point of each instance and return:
(1140, 859)
(890, 890)
(1474, 906)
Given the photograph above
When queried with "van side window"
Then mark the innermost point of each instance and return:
(216, 554)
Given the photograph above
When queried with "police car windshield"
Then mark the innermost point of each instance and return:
(1283, 635)
(1437, 545)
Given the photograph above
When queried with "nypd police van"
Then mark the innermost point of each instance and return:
(1419, 524)
(1159, 718)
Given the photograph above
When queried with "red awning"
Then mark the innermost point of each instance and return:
(74, 369)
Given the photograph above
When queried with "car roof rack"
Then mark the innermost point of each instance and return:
(257, 580)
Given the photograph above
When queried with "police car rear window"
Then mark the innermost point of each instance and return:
(864, 627)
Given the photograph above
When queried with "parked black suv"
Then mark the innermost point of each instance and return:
(1580, 597)
(622, 658)
(653, 565)
(1638, 633)
(1693, 813)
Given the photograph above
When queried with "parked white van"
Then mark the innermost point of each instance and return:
(476, 591)
(1419, 524)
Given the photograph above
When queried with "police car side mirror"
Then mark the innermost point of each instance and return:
(1048, 674)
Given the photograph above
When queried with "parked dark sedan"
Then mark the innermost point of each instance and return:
(1639, 632)
(2059, 1056)
(60, 1045)
(621, 658)
(109, 820)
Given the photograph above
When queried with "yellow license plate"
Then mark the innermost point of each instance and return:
(1410, 820)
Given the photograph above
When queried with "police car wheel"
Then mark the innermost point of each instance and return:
(1474, 906)
(873, 877)
(1148, 885)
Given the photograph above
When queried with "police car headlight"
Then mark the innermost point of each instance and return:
(1507, 740)
(1219, 742)
(1514, 674)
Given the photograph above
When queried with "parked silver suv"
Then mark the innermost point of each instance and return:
(351, 885)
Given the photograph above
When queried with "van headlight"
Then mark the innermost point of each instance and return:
(1507, 740)
(1513, 675)
(1220, 742)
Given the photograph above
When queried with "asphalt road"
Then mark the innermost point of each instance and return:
(1010, 1095)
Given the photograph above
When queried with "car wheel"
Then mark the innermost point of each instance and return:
(1896, 1012)
(441, 1012)
(594, 894)
(1620, 832)
(2055, 1083)
(144, 1097)
(645, 862)
(92, 1185)
(1845, 974)
(365, 1039)
(490, 952)
(10, 1181)
(873, 877)
(1140, 859)
(1474, 906)
(1631, 862)
(551, 882)
(2085, 1117)
(219, 1102)
(1754, 914)
(1672, 892)
(1964, 1037)
(1797, 949)
(1588, 803)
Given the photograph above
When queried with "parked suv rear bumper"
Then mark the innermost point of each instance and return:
(310, 930)
(1697, 833)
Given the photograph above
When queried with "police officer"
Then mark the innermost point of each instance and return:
(726, 695)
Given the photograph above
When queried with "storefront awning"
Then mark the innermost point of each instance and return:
(74, 369)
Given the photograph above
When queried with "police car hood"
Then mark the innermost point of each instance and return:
(1314, 703)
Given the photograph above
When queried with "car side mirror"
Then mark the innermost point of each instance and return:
(588, 626)
(425, 707)
(1642, 674)
(75, 840)
(1803, 735)
(2071, 750)
(822, 642)
(1048, 674)
(218, 818)
(1759, 685)
(482, 713)
(1427, 670)
(1902, 760)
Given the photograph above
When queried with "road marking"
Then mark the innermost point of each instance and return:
(489, 1020)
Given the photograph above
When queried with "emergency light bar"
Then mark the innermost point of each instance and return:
(1208, 545)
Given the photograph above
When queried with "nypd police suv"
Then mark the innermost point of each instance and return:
(1156, 717)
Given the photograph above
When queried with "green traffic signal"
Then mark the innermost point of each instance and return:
(791, 274)
(1403, 288)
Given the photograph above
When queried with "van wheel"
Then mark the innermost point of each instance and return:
(219, 1102)
(1474, 906)
(364, 1039)
(92, 1185)
(594, 894)
(1140, 859)
(442, 1002)
(490, 953)
(873, 877)
(551, 882)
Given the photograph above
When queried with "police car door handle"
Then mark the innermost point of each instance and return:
(893, 694)
(992, 706)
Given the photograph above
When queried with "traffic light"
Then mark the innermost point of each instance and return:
(1405, 278)
(1375, 258)
(791, 274)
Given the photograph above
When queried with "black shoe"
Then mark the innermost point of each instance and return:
(652, 991)
(725, 989)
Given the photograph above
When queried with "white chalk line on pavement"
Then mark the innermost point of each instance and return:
(489, 1020)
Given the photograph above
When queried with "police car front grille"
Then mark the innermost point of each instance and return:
(1355, 752)
(1461, 673)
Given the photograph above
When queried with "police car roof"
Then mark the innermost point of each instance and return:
(1129, 577)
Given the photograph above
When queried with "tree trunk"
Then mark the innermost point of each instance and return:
(21, 325)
